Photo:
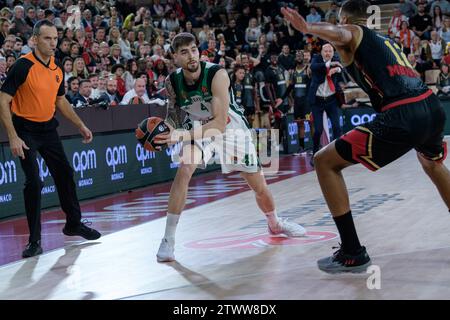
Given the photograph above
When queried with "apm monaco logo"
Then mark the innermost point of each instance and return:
(259, 240)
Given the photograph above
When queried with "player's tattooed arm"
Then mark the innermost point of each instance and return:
(173, 111)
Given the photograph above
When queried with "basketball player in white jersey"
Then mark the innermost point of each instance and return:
(213, 120)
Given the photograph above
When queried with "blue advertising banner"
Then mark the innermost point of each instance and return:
(111, 163)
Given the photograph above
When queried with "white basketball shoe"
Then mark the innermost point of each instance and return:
(290, 229)
(165, 252)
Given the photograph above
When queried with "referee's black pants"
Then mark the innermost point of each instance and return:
(42, 137)
(330, 106)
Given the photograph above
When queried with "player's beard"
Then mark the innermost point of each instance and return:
(193, 68)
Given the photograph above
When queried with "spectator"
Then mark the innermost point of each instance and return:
(252, 33)
(313, 16)
(130, 74)
(79, 69)
(91, 57)
(8, 46)
(395, 22)
(193, 13)
(4, 30)
(188, 28)
(63, 50)
(437, 46)
(205, 34)
(437, 18)
(286, 59)
(95, 93)
(261, 19)
(277, 85)
(211, 51)
(421, 49)
(443, 82)
(157, 9)
(147, 28)
(444, 33)
(243, 20)
(138, 95)
(6, 13)
(406, 35)
(419, 67)
(442, 4)
(30, 19)
(17, 49)
(73, 85)
(176, 7)
(74, 50)
(118, 70)
(161, 73)
(111, 92)
(10, 59)
(3, 68)
(244, 90)
(333, 10)
(21, 28)
(114, 36)
(101, 83)
(82, 98)
(115, 55)
(103, 55)
(422, 23)
(100, 34)
(67, 65)
(125, 46)
(233, 34)
(170, 22)
(29, 46)
(408, 8)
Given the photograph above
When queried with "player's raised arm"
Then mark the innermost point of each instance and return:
(337, 35)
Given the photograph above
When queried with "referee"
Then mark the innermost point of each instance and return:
(33, 89)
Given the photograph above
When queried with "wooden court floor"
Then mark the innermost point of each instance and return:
(223, 250)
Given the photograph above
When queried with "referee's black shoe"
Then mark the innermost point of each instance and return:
(343, 262)
(32, 249)
(82, 230)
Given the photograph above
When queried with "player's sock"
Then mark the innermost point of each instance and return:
(171, 226)
(347, 231)
(272, 219)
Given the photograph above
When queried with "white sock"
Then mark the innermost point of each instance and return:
(272, 219)
(171, 226)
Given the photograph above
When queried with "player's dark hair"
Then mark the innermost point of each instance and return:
(180, 40)
(356, 9)
(37, 27)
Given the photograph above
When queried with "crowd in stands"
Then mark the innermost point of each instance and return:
(119, 50)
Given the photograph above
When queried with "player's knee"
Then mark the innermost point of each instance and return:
(319, 159)
(185, 173)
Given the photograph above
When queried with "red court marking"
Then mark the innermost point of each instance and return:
(14, 231)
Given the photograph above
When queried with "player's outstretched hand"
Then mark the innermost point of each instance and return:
(295, 19)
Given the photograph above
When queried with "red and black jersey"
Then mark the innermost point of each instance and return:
(383, 71)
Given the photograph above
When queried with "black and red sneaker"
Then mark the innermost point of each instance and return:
(343, 262)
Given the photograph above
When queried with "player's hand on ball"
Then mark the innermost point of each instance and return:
(168, 138)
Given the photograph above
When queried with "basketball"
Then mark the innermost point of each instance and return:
(148, 129)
